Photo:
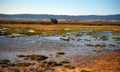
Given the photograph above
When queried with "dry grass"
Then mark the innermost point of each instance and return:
(109, 62)
(58, 27)
(63, 22)
(36, 26)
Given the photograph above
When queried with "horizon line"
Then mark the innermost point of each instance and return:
(58, 14)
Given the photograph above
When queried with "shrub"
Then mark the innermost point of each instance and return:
(54, 21)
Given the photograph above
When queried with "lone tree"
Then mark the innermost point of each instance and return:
(54, 20)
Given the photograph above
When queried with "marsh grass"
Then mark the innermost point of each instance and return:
(33, 57)
(60, 53)
(52, 29)
(46, 64)
(64, 62)
(65, 39)
(5, 61)
(69, 66)
(87, 40)
(91, 45)
(27, 31)
(112, 45)
(96, 45)
(21, 56)
(66, 22)
(100, 45)
(37, 57)
(104, 38)
(116, 38)
(51, 64)
(23, 64)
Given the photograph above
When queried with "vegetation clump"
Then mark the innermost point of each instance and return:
(112, 45)
(64, 62)
(91, 45)
(69, 66)
(96, 45)
(20, 56)
(104, 38)
(54, 21)
(100, 45)
(34, 57)
(23, 64)
(87, 40)
(60, 53)
(50, 63)
(37, 57)
(65, 39)
(5, 61)
(78, 34)
(116, 38)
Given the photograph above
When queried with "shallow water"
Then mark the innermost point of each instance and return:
(49, 45)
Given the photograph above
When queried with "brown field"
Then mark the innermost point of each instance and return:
(58, 27)
(63, 22)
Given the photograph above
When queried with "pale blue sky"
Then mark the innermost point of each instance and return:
(60, 7)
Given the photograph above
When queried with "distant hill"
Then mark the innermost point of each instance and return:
(68, 17)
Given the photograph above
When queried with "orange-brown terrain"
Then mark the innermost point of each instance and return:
(108, 62)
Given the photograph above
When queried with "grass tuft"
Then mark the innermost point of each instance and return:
(34, 57)
(60, 53)
(104, 38)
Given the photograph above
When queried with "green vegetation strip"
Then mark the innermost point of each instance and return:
(117, 38)
(96, 45)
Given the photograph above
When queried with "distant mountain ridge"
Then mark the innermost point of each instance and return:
(68, 17)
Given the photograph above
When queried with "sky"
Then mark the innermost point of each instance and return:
(60, 7)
